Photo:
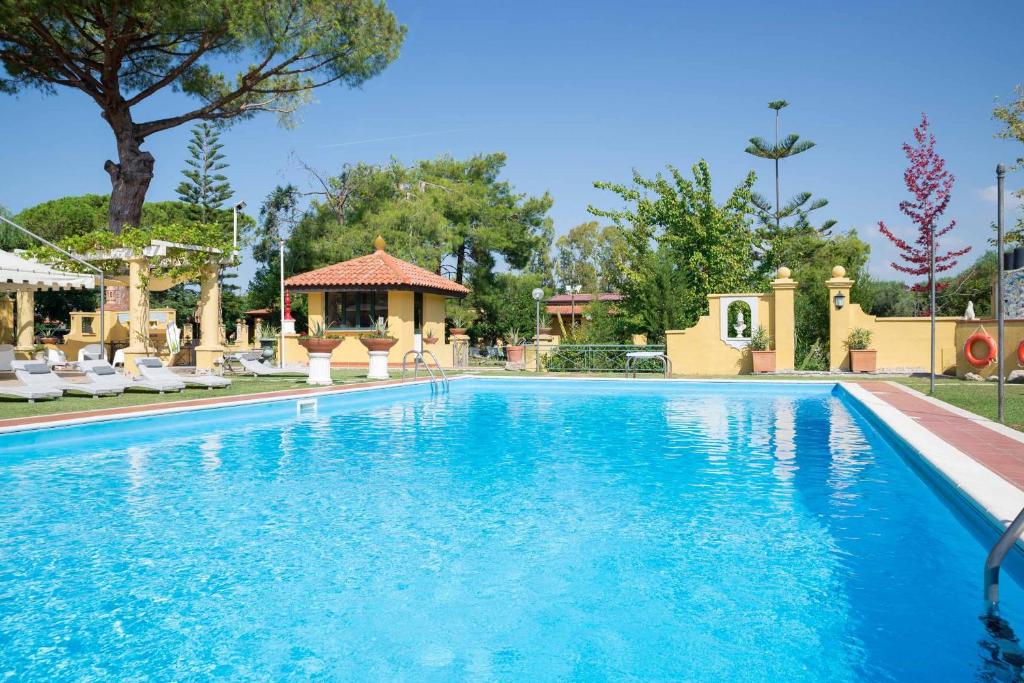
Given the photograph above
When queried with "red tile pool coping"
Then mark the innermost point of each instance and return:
(998, 448)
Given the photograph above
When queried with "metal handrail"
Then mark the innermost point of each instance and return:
(419, 358)
(995, 559)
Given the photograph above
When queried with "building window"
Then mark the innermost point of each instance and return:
(87, 324)
(354, 310)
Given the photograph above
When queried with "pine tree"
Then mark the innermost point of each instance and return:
(205, 187)
(800, 205)
(931, 184)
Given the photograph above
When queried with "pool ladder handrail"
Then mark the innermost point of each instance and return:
(995, 559)
(418, 357)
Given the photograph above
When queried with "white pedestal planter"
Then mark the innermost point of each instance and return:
(319, 369)
(378, 365)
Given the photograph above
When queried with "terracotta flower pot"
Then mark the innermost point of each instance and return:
(764, 361)
(319, 344)
(430, 340)
(863, 360)
(458, 331)
(514, 353)
(378, 343)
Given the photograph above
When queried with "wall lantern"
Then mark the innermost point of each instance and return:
(839, 300)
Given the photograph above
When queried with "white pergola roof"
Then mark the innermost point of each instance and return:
(18, 274)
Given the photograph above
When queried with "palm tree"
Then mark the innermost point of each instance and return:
(790, 146)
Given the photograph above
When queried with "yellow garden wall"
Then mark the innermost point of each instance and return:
(701, 349)
(900, 342)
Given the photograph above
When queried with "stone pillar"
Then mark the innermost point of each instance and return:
(138, 309)
(26, 304)
(460, 351)
(784, 320)
(210, 348)
(6, 320)
(840, 320)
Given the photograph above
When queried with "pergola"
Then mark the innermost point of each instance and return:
(26, 277)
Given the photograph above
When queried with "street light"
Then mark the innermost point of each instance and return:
(572, 291)
(234, 219)
(538, 294)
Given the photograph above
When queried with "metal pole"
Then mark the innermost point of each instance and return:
(234, 226)
(931, 295)
(76, 259)
(280, 350)
(536, 338)
(1000, 313)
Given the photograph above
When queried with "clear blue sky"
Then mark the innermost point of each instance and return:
(575, 92)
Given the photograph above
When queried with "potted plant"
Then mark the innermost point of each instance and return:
(378, 338)
(862, 358)
(514, 348)
(316, 340)
(761, 351)
(428, 336)
(461, 317)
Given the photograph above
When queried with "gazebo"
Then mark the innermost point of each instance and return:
(348, 297)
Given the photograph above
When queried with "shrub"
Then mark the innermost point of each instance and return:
(859, 339)
(761, 340)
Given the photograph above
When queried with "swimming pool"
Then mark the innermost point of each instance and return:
(511, 529)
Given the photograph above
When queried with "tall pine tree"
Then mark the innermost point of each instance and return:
(205, 187)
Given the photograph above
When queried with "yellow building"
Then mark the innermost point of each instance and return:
(346, 298)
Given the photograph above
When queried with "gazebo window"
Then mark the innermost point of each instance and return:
(355, 310)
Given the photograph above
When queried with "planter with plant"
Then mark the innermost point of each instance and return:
(862, 357)
(761, 351)
(378, 338)
(461, 318)
(428, 336)
(514, 349)
(317, 341)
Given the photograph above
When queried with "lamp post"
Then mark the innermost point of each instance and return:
(280, 348)
(234, 223)
(572, 291)
(538, 294)
(1000, 313)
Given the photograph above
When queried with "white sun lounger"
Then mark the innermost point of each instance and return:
(101, 373)
(38, 375)
(254, 367)
(153, 370)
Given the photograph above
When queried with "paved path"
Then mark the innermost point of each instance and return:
(972, 435)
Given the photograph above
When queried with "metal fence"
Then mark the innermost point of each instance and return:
(600, 358)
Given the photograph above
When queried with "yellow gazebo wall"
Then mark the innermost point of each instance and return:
(351, 353)
(116, 332)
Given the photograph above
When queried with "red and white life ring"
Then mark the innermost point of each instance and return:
(990, 349)
(1020, 353)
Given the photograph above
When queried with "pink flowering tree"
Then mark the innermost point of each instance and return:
(930, 184)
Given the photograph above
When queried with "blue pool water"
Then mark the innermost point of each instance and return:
(522, 530)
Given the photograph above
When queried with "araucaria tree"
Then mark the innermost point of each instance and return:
(931, 185)
(205, 187)
(121, 54)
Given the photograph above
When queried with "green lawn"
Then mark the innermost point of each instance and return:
(239, 386)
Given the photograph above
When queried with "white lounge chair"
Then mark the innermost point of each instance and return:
(38, 375)
(100, 372)
(154, 370)
(89, 352)
(252, 366)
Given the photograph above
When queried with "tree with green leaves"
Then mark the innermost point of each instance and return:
(205, 187)
(708, 246)
(585, 256)
(1012, 118)
(120, 55)
(279, 215)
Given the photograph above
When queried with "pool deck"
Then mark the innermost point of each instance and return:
(998, 448)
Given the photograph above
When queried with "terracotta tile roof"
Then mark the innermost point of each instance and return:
(377, 270)
(585, 298)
